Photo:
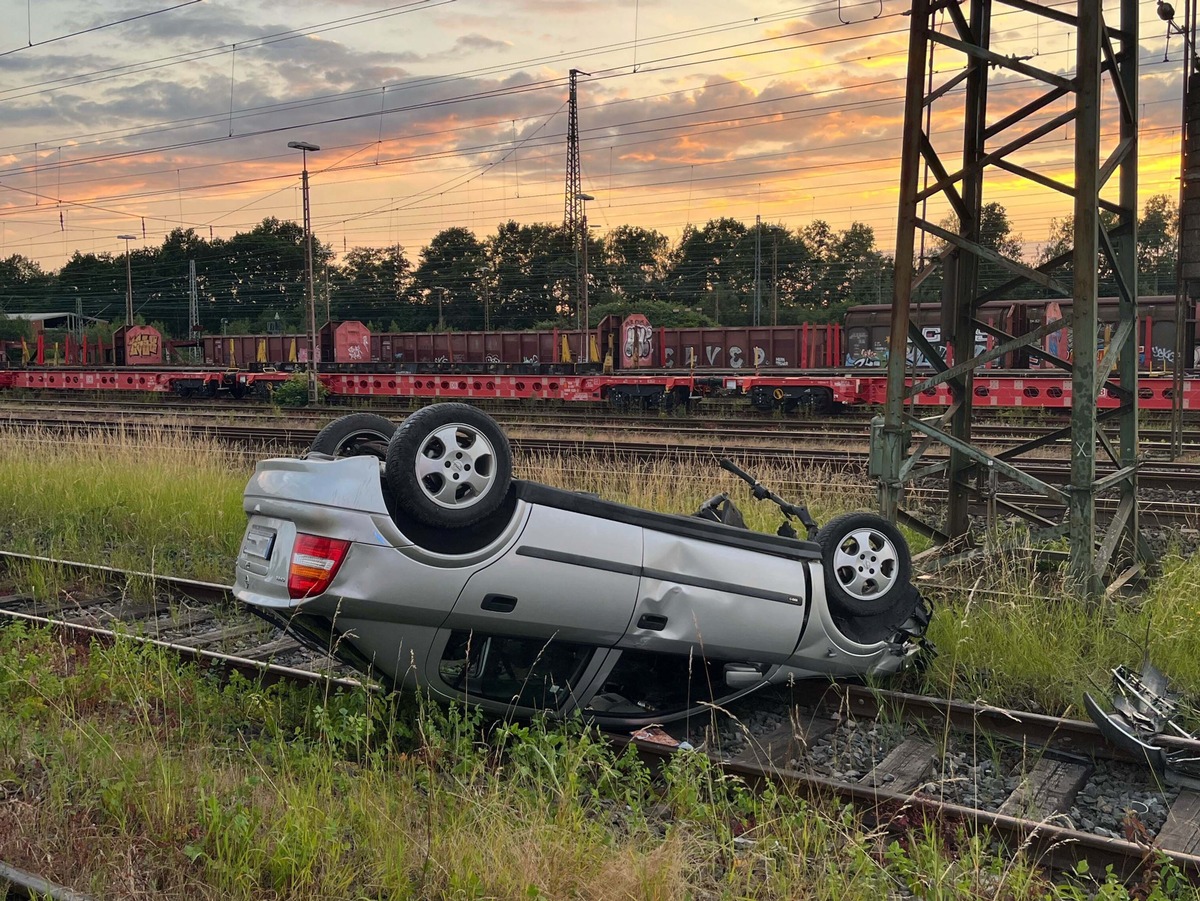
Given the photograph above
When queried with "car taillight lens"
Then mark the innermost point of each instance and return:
(315, 561)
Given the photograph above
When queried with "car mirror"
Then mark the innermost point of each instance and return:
(741, 675)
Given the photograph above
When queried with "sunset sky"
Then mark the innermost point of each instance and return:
(141, 116)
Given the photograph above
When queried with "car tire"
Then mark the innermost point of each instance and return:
(449, 465)
(867, 564)
(355, 435)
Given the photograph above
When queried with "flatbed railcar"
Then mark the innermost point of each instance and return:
(627, 364)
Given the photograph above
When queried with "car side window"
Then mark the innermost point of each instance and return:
(526, 672)
(654, 683)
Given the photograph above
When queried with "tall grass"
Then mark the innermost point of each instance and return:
(128, 776)
(139, 498)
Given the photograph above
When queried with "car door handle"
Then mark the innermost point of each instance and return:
(652, 621)
(499, 603)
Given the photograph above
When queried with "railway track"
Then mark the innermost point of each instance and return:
(1176, 480)
(276, 438)
(843, 430)
(905, 782)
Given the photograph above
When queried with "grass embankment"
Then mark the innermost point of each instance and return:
(124, 774)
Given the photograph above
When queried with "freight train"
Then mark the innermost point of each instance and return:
(625, 363)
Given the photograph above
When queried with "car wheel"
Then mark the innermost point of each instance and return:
(355, 435)
(449, 465)
(867, 564)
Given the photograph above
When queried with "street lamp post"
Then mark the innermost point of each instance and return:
(128, 280)
(304, 147)
(442, 292)
(583, 291)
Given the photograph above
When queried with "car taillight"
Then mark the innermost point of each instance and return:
(315, 561)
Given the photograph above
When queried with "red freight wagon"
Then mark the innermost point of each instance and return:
(351, 342)
(805, 346)
(255, 351)
(464, 347)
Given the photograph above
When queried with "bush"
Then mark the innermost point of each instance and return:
(294, 392)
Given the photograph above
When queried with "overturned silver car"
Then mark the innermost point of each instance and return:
(413, 554)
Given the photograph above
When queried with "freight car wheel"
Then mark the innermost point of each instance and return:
(867, 564)
(449, 465)
(355, 435)
(619, 400)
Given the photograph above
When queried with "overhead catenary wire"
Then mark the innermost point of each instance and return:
(686, 128)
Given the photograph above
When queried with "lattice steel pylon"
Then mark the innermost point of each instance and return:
(1106, 68)
(573, 209)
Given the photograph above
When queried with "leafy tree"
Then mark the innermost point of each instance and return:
(264, 272)
(1062, 239)
(454, 270)
(14, 329)
(98, 281)
(714, 268)
(533, 271)
(632, 264)
(838, 269)
(1158, 247)
(661, 313)
(372, 282)
(24, 286)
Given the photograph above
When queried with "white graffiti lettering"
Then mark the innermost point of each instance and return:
(354, 352)
(639, 341)
(491, 358)
(712, 352)
(669, 357)
(782, 361)
(760, 357)
(735, 358)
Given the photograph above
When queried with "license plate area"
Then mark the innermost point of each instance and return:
(259, 542)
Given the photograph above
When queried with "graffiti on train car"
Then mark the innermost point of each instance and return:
(717, 356)
(861, 355)
(637, 342)
(143, 344)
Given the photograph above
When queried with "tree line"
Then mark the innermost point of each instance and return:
(522, 276)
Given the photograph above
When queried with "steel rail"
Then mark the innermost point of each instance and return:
(1058, 847)
(30, 886)
(202, 592)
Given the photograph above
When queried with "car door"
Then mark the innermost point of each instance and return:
(569, 576)
(721, 598)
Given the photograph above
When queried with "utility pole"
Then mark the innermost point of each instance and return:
(757, 270)
(584, 350)
(193, 327)
(128, 281)
(775, 279)
(304, 147)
